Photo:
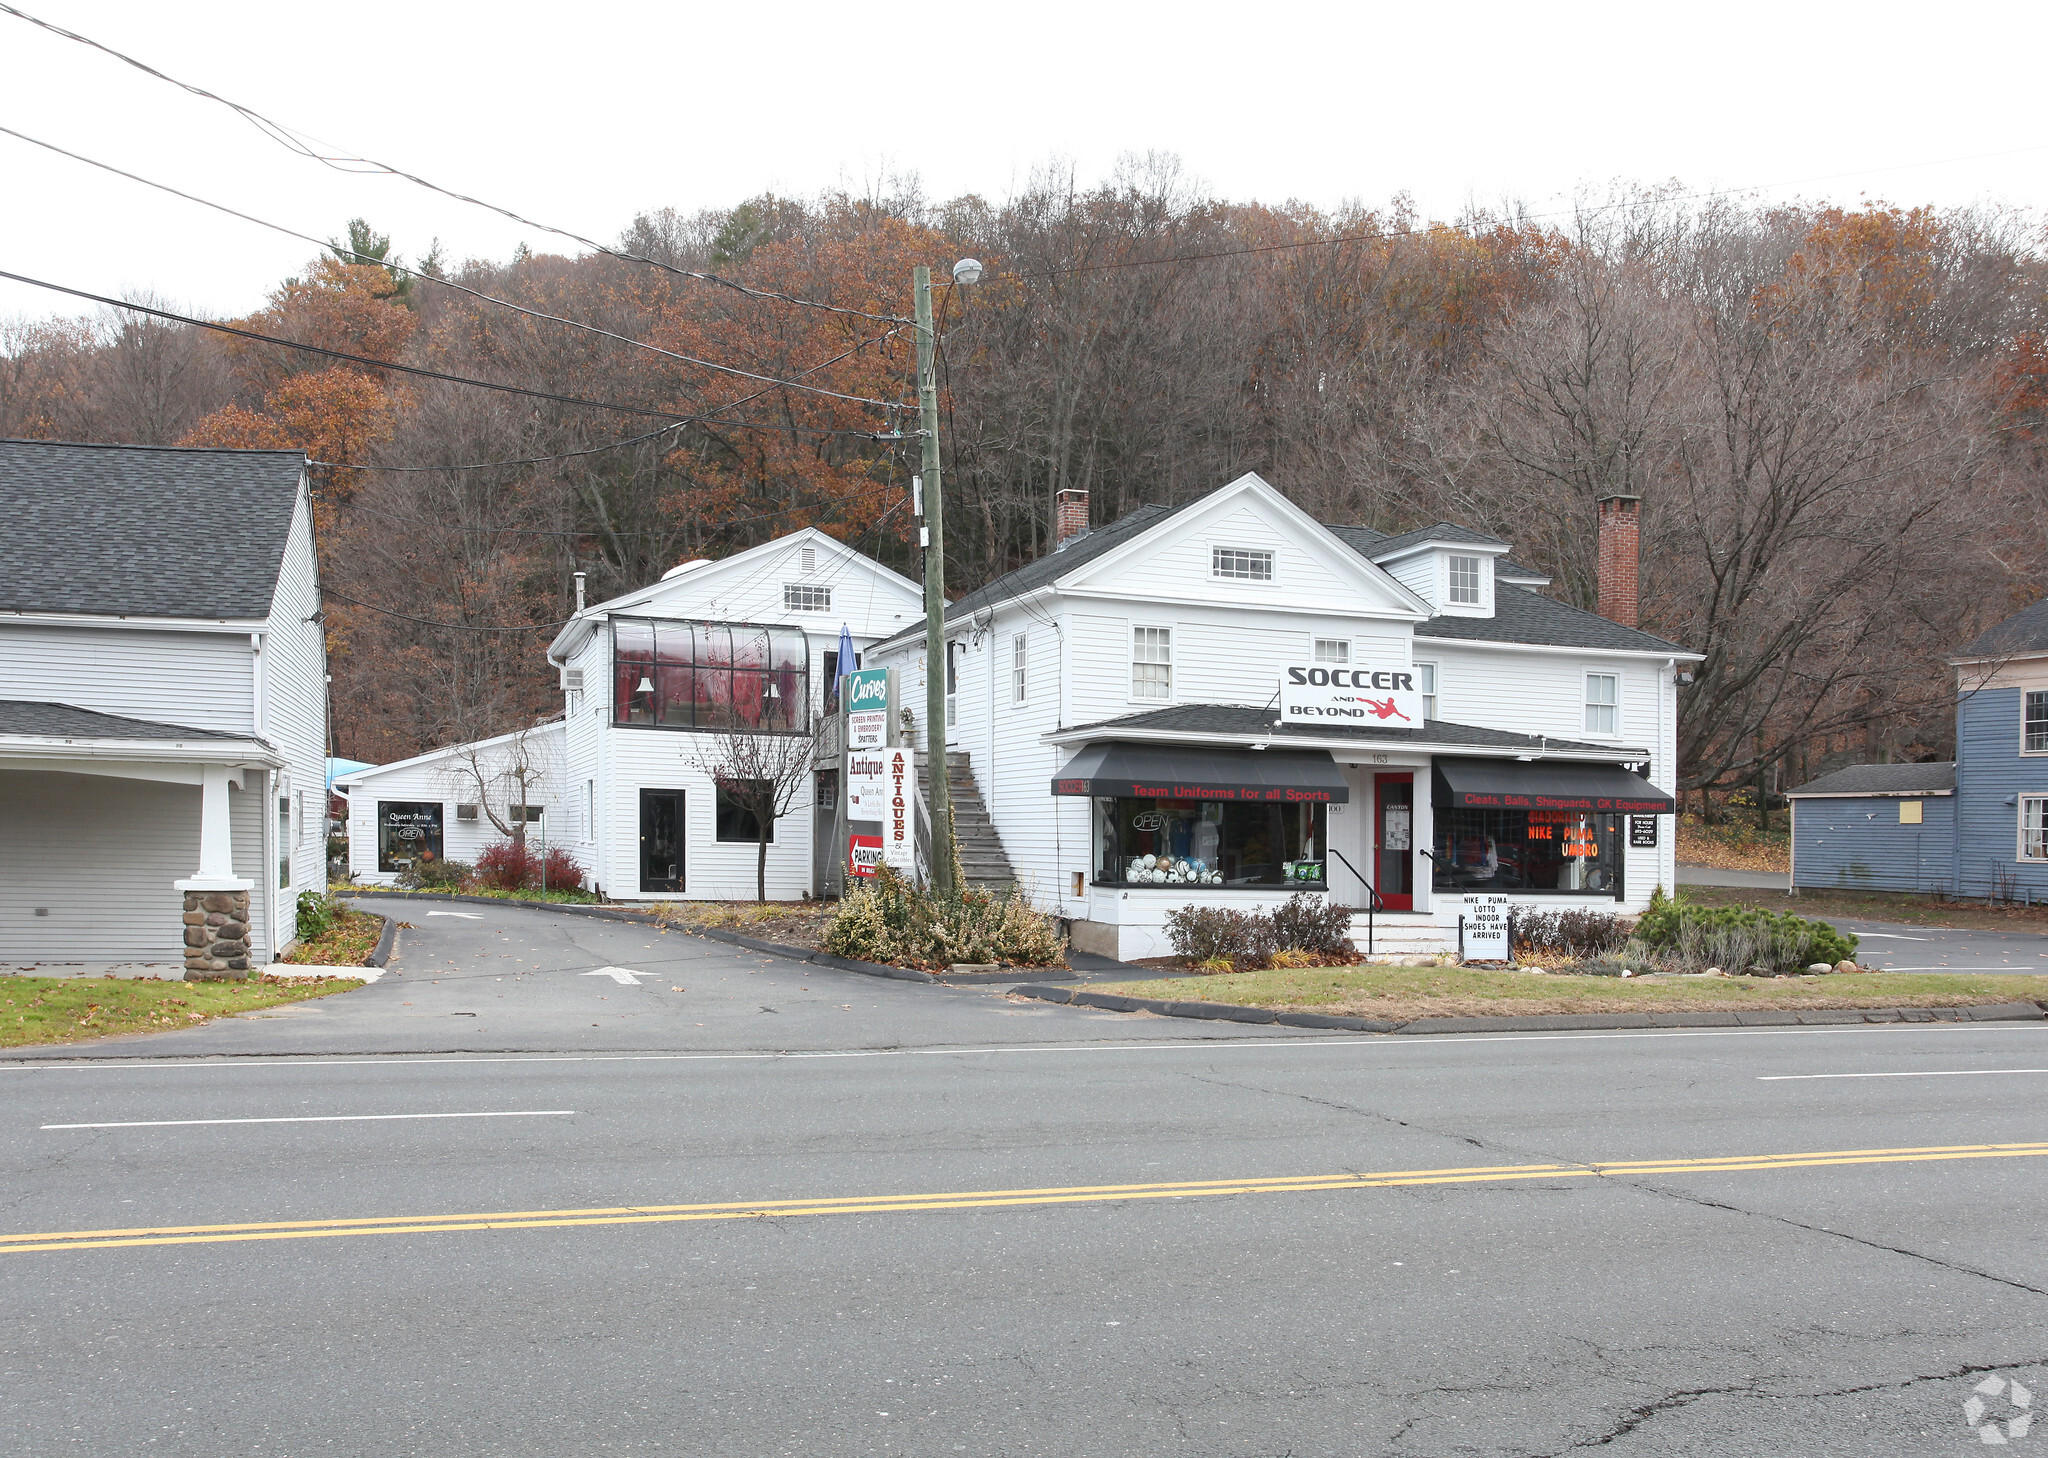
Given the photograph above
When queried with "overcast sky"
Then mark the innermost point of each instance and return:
(582, 115)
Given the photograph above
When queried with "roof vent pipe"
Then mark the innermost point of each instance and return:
(1620, 559)
(1070, 517)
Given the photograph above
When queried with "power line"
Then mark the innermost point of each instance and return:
(445, 283)
(404, 369)
(432, 623)
(296, 141)
(709, 418)
(426, 521)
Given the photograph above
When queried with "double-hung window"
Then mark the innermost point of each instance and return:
(2034, 827)
(1464, 583)
(1019, 660)
(1603, 703)
(2037, 721)
(1152, 663)
(1333, 650)
(1242, 564)
(1425, 680)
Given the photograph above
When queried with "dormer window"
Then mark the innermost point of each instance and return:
(1464, 583)
(1241, 564)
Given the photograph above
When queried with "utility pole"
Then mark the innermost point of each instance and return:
(933, 538)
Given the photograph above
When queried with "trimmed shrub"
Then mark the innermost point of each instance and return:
(1739, 939)
(435, 875)
(509, 866)
(1312, 923)
(891, 920)
(1565, 932)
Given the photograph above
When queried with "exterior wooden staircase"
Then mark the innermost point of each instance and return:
(982, 855)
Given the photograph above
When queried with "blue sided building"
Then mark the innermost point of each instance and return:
(1977, 827)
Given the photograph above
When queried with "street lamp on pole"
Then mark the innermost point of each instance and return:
(933, 537)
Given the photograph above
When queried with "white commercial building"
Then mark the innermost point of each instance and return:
(1450, 738)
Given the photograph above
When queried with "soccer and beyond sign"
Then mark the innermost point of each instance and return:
(1336, 693)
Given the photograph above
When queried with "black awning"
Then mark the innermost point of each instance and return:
(1171, 772)
(1545, 784)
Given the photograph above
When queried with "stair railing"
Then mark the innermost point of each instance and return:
(1372, 896)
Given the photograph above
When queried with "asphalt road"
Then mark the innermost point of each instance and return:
(1894, 948)
(900, 1219)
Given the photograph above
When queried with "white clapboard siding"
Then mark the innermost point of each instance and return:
(100, 856)
(294, 669)
(201, 679)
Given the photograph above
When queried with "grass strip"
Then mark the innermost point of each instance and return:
(38, 1011)
(1400, 994)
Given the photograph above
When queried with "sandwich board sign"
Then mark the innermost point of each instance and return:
(867, 708)
(1483, 929)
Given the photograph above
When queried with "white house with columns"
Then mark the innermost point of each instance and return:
(163, 706)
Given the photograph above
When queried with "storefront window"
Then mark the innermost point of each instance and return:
(1206, 843)
(1545, 851)
(408, 832)
(683, 675)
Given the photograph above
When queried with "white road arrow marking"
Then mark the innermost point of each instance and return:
(465, 915)
(617, 974)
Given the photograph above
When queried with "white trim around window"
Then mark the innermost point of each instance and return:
(1020, 662)
(2033, 828)
(1602, 703)
(1241, 564)
(1151, 664)
(2034, 721)
(1330, 650)
(1426, 675)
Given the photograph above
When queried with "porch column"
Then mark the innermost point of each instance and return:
(216, 900)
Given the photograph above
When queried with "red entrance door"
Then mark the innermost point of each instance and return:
(1393, 840)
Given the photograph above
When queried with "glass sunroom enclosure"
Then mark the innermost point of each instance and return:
(675, 674)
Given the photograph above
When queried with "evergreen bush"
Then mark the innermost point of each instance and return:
(1740, 939)
(893, 921)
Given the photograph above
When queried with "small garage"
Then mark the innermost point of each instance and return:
(1876, 827)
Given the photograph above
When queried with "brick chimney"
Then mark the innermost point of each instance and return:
(1070, 517)
(1620, 599)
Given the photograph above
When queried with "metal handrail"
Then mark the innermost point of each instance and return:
(1373, 902)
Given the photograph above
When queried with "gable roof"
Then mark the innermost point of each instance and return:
(47, 719)
(1937, 777)
(2025, 631)
(1374, 545)
(143, 531)
(1522, 616)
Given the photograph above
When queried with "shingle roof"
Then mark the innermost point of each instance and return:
(1239, 719)
(1371, 544)
(2025, 631)
(1443, 531)
(66, 721)
(143, 531)
(1052, 565)
(1522, 616)
(1883, 779)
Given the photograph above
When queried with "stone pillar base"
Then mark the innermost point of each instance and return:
(216, 936)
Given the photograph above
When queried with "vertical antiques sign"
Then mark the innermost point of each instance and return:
(867, 708)
(899, 833)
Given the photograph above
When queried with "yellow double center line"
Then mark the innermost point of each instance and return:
(979, 1199)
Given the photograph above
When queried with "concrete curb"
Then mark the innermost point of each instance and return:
(1555, 1022)
(648, 918)
(387, 941)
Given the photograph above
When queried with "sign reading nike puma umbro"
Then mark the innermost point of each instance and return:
(1327, 693)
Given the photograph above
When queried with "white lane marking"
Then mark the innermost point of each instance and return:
(1986, 967)
(1893, 937)
(617, 974)
(1929, 1073)
(1213, 1045)
(319, 1119)
(465, 915)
